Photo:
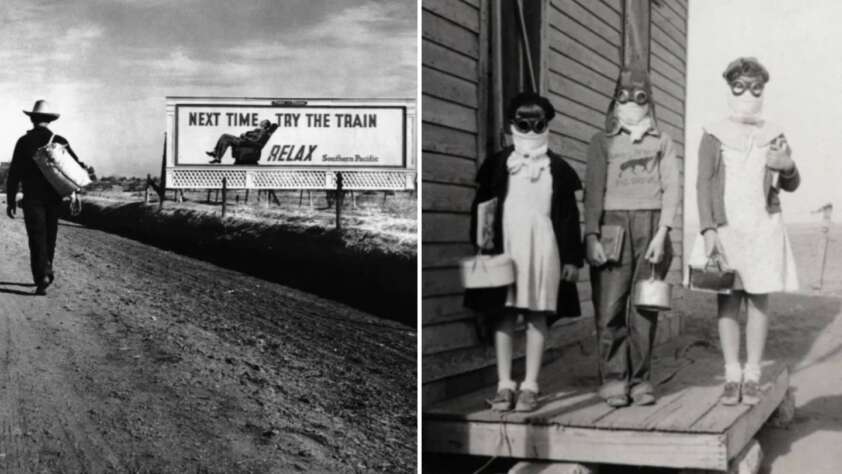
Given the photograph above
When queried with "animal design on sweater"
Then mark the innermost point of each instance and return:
(646, 164)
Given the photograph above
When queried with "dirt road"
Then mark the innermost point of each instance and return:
(140, 360)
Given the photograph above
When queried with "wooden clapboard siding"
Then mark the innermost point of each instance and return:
(439, 168)
(580, 60)
(462, 13)
(584, 47)
(435, 56)
(667, 61)
(454, 54)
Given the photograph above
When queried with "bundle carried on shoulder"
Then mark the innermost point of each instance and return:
(63, 172)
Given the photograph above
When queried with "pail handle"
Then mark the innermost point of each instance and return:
(716, 261)
(653, 274)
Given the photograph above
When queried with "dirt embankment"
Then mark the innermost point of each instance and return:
(370, 271)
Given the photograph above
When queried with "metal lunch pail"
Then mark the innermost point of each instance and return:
(652, 294)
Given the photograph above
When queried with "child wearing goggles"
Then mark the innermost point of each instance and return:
(633, 193)
(738, 157)
(536, 223)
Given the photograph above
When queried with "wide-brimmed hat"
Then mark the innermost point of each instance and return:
(42, 110)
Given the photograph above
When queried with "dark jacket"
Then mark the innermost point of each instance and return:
(24, 170)
(493, 181)
(710, 185)
(247, 151)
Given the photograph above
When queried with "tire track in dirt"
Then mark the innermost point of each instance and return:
(148, 361)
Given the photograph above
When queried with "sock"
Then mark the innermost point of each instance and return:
(752, 372)
(528, 385)
(506, 384)
(733, 373)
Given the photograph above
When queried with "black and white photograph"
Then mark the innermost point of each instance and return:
(210, 238)
(629, 255)
(437, 236)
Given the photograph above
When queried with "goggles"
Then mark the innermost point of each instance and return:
(739, 87)
(526, 125)
(638, 96)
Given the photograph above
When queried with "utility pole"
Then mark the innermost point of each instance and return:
(826, 212)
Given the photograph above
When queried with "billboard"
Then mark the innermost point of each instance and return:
(347, 136)
(290, 143)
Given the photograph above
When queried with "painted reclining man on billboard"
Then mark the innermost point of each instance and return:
(246, 148)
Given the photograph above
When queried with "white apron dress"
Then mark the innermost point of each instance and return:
(528, 235)
(754, 241)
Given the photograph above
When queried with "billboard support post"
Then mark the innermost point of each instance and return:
(224, 194)
(162, 190)
(339, 201)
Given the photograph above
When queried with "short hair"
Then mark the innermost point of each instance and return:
(530, 98)
(745, 66)
(265, 123)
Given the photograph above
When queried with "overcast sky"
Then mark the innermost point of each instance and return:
(107, 65)
(801, 47)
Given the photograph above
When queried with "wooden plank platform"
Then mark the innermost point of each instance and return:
(686, 428)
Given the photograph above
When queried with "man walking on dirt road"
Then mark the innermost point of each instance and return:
(41, 202)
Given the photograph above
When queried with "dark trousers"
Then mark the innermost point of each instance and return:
(626, 335)
(225, 141)
(41, 220)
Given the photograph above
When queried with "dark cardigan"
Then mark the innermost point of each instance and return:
(493, 181)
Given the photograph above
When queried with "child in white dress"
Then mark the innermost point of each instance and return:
(744, 161)
(537, 225)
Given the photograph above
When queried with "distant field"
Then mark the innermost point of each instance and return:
(387, 215)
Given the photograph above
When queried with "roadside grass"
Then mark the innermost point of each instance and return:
(370, 265)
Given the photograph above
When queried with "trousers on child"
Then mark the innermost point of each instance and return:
(625, 334)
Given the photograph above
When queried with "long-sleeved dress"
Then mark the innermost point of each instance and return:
(754, 240)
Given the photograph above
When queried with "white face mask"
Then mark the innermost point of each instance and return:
(530, 142)
(746, 106)
(630, 114)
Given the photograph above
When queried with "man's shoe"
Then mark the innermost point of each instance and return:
(730, 393)
(41, 286)
(211, 154)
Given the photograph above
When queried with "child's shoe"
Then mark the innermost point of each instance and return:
(615, 394)
(751, 384)
(527, 400)
(617, 401)
(642, 394)
(503, 401)
(751, 392)
(730, 393)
